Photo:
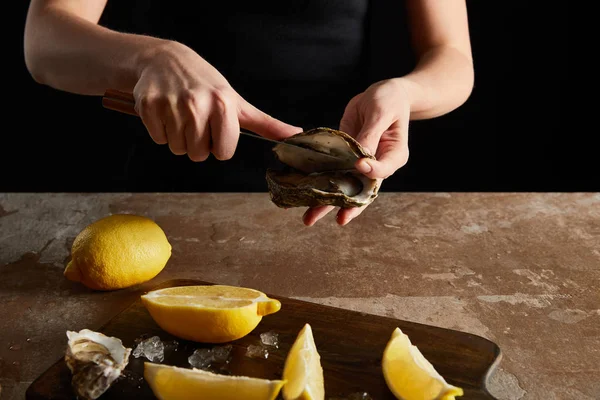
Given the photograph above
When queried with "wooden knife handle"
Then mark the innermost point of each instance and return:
(117, 100)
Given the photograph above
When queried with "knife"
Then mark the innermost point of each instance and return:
(305, 150)
(123, 102)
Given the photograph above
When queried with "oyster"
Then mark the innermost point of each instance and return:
(315, 180)
(95, 360)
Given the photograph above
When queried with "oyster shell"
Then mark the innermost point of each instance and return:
(321, 180)
(95, 360)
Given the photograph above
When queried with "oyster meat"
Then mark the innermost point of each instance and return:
(95, 360)
(315, 180)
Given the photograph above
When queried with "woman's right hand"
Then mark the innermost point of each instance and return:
(186, 103)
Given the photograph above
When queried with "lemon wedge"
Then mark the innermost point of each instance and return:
(175, 383)
(409, 375)
(209, 314)
(302, 370)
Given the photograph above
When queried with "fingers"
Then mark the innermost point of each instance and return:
(198, 139)
(200, 122)
(167, 118)
(253, 119)
(192, 108)
(174, 125)
(147, 108)
(345, 215)
(313, 214)
(225, 128)
(193, 123)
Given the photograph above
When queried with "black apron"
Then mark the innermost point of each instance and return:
(300, 61)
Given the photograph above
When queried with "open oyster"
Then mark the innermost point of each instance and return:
(96, 361)
(312, 180)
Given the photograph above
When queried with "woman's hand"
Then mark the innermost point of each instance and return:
(378, 118)
(186, 103)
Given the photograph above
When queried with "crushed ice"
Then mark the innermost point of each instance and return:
(152, 348)
(270, 339)
(257, 351)
(261, 350)
(205, 358)
(200, 358)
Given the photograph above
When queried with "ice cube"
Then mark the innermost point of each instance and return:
(270, 339)
(152, 348)
(257, 351)
(204, 358)
(201, 358)
(221, 353)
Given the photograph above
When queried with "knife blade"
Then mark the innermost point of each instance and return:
(305, 150)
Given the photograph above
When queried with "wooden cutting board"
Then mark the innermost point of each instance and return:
(350, 343)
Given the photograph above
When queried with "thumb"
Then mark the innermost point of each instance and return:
(392, 158)
(392, 154)
(256, 121)
(370, 133)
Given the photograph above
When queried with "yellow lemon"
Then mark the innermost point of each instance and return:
(174, 383)
(302, 370)
(409, 375)
(209, 313)
(118, 251)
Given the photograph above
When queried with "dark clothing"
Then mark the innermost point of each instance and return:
(300, 61)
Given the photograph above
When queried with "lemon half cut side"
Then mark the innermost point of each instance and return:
(209, 313)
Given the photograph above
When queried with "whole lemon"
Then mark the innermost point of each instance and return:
(118, 251)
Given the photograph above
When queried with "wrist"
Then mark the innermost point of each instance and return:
(412, 91)
(153, 50)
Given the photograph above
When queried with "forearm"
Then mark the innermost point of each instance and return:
(441, 82)
(69, 53)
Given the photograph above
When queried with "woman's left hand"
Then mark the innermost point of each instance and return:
(378, 118)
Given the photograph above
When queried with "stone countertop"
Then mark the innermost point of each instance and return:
(522, 270)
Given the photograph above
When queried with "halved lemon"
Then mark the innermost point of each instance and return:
(175, 383)
(409, 375)
(209, 314)
(302, 370)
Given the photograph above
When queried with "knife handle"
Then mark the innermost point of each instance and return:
(117, 100)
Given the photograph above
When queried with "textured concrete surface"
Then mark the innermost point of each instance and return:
(522, 270)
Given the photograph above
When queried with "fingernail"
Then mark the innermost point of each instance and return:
(364, 167)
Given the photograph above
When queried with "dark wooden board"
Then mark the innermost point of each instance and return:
(350, 343)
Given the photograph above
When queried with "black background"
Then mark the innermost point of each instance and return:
(506, 137)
